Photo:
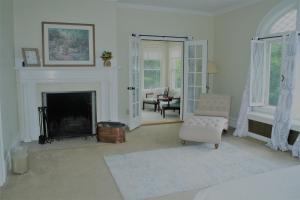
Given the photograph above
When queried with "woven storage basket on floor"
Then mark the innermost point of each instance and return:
(112, 132)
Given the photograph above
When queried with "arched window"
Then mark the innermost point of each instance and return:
(278, 22)
(281, 19)
(285, 23)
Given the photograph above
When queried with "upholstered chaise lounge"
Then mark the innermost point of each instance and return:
(208, 121)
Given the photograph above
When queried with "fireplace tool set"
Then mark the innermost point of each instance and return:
(43, 120)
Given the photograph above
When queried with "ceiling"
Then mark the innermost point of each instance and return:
(196, 6)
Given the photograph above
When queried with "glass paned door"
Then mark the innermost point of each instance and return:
(195, 73)
(134, 84)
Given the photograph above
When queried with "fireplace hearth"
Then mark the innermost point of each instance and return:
(70, 114)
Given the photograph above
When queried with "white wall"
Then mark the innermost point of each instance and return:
(30, 13)
(131, 20)
(8, 91)
(233, 33)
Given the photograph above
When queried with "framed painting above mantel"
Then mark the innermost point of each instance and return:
(68, 44)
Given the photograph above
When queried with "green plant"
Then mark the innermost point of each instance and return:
(106, 55)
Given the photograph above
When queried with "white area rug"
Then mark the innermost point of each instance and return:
(155, 173)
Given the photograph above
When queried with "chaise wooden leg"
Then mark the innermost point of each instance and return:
(216, 146)
(183, 142)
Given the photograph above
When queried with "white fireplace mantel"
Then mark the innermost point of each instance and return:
(105, 80)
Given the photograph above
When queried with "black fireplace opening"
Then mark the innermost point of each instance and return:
(70, 114)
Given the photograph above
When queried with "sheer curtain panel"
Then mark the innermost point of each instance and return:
(282, 118)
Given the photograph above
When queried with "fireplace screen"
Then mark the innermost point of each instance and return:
(71, 114)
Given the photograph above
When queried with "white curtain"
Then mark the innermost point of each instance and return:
(242, 122)
(296, 146)
(282, 119)
(258, 73)
(254, 87)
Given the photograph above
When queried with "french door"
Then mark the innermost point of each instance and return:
(195, 74)
(135, 118)
(194, 81)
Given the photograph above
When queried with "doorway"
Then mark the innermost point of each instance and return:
(161, 81)
(193, 77)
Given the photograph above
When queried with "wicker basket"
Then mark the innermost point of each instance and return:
(112, 132)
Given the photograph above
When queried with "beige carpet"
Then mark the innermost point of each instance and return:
(79, 172)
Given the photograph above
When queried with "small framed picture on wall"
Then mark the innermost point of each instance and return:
(31, 57)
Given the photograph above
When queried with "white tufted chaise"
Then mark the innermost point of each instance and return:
(208, 121)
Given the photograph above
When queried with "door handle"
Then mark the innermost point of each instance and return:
(131, 88)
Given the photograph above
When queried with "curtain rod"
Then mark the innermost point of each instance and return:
(161, 36)
(271, 37)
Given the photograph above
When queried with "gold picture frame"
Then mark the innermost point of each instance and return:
(68, 44)
(31, 57)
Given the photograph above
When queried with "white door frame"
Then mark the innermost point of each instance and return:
(134, 86)
(172, 39)
(204, 57)
(2, 158)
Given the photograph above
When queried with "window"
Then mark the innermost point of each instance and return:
(279, 27)
(275, 48)
(175, 66)
(152, 68)
(286, 23)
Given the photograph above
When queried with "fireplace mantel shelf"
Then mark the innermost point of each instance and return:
(66, 68)
(69, 74)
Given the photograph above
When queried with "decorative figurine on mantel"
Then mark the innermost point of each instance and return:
(106, 57)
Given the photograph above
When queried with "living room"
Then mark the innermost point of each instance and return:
(198, 157)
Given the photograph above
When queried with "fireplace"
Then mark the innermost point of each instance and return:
(70, 114)
(32, 82)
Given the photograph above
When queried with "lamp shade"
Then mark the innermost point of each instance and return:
(211, 68)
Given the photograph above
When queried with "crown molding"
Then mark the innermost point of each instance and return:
(185, 11)
(235, 7)
(163, 9)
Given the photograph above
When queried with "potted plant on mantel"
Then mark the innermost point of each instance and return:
(106, 57)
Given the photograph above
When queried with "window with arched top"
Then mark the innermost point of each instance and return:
(285, 23)
(280, 19)
(279, 22)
